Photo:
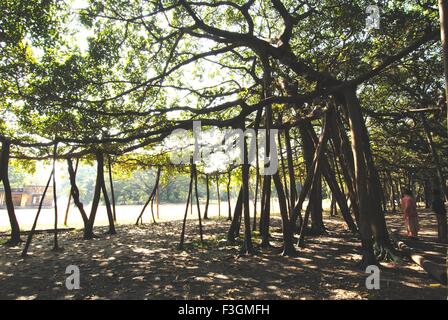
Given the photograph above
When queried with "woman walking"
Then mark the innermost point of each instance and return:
(410, 216)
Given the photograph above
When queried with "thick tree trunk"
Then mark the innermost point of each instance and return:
(435, 157)
(75, 195)
(443, 15)
(368, 187)
(67, 209)
(88, 232)
(4, 162)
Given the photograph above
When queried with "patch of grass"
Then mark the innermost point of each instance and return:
(197, 244)
(256, 235)
(220, 219)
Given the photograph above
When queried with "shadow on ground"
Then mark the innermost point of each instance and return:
(143, 263)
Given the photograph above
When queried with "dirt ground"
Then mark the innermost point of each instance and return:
(144, 263)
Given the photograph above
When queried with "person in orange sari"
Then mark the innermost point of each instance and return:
(409, 209)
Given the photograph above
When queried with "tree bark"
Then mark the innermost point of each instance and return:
(190, 189)
(4, 162)
(151, 197)
(435, 157)
(195, 175)
(233, 233)
(287, 226)
(33, 228)
(247, 244)
(219, 197)
(368, 187)
(55, 199)
(443, 15)
(207, 200)
(110, 217)
(75, 196)
(112, 193)
(315, 198)
(291, 173)
(67, 210)
(88, 232)
(229, 216)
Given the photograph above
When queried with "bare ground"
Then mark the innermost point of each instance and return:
(144, 263)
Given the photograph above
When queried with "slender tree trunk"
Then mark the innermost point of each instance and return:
(287, 226)
(110, 216)
(313, 172)
(345, 155)
(219, 197)
(55, 199)
(190, 189)
(291, 173)
(33, 228)
(67, 210)
(158, 200)
(195, 175)
(247, 244)
(392, 193)
(315, 198)
(427, 192)
(151, 197)
(112, 193)
(266, 204)
(257, 167)
(4, 162)
(229, 216)
(207, 200)
(283, 166)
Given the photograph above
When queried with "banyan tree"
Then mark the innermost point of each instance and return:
(326, 90)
